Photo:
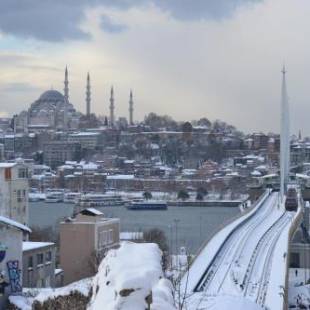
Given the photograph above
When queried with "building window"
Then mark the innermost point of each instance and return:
(48, 281)
(22, 173)
(48, 257)
(30, 262)
(19, 195)
(110, 236)
(102, 239)
(40, 259)
(7, 173)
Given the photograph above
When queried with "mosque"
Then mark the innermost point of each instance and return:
(53, 111)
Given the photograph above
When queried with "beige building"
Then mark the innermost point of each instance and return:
(84, 241)
(39, 261)
(14, 191)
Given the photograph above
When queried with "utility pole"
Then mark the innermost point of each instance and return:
(176, 222)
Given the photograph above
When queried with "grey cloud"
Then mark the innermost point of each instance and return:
(201, 9)
(43, 20)
(6, 58)
(108, 25)
(19, 87)
(26, 61)
(58, 20)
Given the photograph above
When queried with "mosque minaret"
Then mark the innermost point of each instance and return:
(130, 108)
(66, 88)
(88, 95)
(112, 108)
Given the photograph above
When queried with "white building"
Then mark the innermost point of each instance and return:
(11, 240)
(88, 140)
(14, 191)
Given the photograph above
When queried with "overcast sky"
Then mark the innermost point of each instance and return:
(189, 59)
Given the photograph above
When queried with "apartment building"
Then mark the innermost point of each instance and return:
(14, 191)
(39, 261)
(11, 276)
(84, 241)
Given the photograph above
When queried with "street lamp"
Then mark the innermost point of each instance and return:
(176, 221)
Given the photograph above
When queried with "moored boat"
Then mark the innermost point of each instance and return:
(99, 200)
(147, 205)
(54, 196)
(71, 197)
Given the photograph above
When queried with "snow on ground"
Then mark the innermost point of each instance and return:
(127, 276)
(297, 292)
(231, 302)
(223, 299)
(299, 297)
(298, 276)
(274, 298)
(204, 257)
(30, 295)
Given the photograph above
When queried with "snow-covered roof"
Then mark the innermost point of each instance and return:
(41, 167)
(65, 167)
(90, 166)
(58, 271)
(302, 176)
(15, 224)
(129, 161)
(91, 211)
(262, 167)
(83, 133)
(7, 165)
(233, 174)
(70, 162)
(121, 177)
(189, 171)
(30, 245)
(271, 175)
(154, 146)
(256, 173)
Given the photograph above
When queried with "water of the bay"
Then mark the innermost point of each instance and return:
(183, 226)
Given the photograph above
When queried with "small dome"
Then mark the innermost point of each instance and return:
(52, 95)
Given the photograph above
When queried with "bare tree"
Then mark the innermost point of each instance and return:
(159, 237)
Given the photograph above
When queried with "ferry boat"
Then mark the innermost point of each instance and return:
(54, 196)
(147, 205)
(71, 197)
(34, 195)
(99, 200)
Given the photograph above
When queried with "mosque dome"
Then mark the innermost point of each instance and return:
(51, 95)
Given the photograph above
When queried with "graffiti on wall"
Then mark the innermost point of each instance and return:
(14, 276)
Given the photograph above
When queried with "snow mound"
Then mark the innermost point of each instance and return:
(31, 295)
(82, 286)
(131, 277)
